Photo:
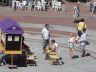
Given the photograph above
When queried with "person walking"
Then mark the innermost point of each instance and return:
(82, 42)
(94, 7)
(76, 13)
(91, 7)
(45, 36)
(81, 26)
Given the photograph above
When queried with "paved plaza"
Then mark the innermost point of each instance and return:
(33, 39)
(61, 26)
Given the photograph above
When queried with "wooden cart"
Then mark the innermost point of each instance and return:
(31, 58)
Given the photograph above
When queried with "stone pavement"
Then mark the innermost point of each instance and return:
(34, 40)
(50, 17)
(60, 31)
(61, 26)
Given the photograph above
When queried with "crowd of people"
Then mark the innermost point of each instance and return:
(39, 5)
(55, 5)
(80, 38)
(76, 10)
(51, 46)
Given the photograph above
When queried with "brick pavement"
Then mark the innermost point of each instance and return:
(50, 17)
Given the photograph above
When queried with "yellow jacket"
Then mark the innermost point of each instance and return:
(81, 25)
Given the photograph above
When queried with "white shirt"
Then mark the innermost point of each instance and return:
(76, 9)
(24, 3)
(17, 3)
(71, 39)
(83, 37)
(39, 4)
(46, 33)
(94, 4)
(56, 46)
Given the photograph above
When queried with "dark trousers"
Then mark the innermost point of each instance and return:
(83, 52)
(45, 43)
(79, 33)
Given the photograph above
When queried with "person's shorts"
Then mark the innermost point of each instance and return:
(82, 43)
(70, 44)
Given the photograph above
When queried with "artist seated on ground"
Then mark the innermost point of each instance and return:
(52, 47)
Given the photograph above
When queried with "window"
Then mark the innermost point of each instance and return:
(9, 38)
(13, 42)
(16, 38)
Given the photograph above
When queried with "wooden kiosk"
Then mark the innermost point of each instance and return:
(11, 41)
